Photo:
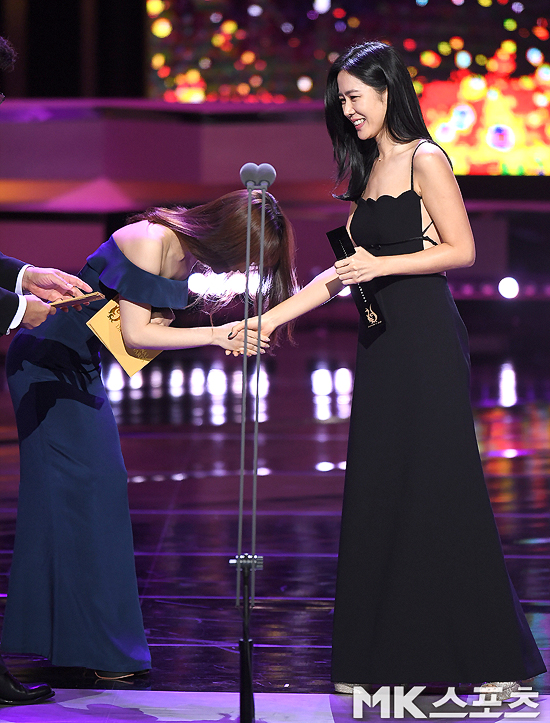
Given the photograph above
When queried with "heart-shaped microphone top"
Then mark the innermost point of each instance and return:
(264, 174)
(249, 172)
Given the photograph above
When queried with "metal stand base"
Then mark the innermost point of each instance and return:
(246, 565)
(245, 688)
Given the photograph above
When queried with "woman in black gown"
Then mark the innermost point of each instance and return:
(423, 594)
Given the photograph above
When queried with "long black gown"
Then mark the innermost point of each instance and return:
(423, 594)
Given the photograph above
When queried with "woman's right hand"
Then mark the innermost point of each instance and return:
(267, 328)
(232, 339)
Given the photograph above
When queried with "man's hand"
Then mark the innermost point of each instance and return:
(36, 313)
(52, 284)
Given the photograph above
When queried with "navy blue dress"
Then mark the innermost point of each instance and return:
(72, 594)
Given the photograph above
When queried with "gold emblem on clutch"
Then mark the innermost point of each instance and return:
(372, 317)
(145, 354)
(114, 315)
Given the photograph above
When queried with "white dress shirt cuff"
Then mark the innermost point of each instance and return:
(20, 313)
(19, 282)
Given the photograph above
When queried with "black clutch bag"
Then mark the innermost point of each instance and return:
(373, 324)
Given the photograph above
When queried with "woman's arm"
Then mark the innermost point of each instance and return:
(144, 247)
(443, 201)
(140, 331)
(320, 290)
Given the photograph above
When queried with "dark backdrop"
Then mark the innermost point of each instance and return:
(75, 48)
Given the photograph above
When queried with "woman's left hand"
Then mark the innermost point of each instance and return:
(233, 343)
(362, 266)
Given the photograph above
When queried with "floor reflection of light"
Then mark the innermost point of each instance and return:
(136, 393)
(217, 413)
(196, 382)
(216, 382)
(115, 396)
(237, 383)
(176, 382)
(341, 465)
(324, 466)
(535, 541)
(321, 382)
(176, 377)
(507, 385)
(155, 378)
(262, 411)
(322, 408)
(197, 415)
(136, 381)
(156, 393)
(343, 381)
(176, 414)
(343, 405)
(115, 378)
(263, 384)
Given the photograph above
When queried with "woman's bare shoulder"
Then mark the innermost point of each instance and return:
(143, 243)
(429, 155)
(431, 166)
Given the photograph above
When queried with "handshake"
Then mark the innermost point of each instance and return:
(233, 343)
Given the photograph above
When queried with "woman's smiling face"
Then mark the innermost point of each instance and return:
(362, 105)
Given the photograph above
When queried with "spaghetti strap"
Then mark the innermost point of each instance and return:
(424, 140)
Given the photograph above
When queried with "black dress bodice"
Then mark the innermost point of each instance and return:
(383, 226)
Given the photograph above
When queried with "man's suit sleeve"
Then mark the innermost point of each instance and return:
(9, 269)
(9, 302)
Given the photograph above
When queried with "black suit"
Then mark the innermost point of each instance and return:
(9, 302)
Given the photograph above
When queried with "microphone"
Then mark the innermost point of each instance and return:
(266, 174)
(261, 176)
(249, 173)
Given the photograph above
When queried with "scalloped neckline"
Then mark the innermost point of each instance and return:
(387, 195)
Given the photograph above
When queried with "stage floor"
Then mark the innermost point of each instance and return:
(78, 706)
(180, 434)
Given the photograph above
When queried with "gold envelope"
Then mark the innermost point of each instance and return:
(106, 326)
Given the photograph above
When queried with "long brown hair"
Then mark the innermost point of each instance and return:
(215, 233)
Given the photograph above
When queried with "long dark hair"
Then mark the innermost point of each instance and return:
(381, 67)
(7, 54)
(215, 233)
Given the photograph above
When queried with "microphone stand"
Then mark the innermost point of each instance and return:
(254, 178)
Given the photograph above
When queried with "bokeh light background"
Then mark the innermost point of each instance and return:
(480, 67)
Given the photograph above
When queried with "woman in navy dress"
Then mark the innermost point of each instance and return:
(422, 593)
(72, 594)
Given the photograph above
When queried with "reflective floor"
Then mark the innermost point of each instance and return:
(180, 428)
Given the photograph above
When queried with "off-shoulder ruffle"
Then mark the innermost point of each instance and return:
(118, 273)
